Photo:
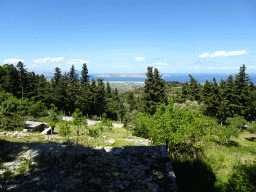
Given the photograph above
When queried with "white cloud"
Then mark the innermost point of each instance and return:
(231, 53)
(223, 53)
(42, 60)
(57, 59)
(77, 61)
(139, 59)
(11, 61)
(203, 55)
(160, 63)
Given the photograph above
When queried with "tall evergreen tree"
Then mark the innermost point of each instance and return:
(72, 89)
(159, 88)
(100, 98)
(223, 109)
(154, 91)
(230, 96)
(23, 76)
(92, 97)
(194, 89)
(206, 97)
(149, 96)
(63, 90)
(40, 88)
(9, 79)
(108, 91)
(241, 90)
(57, 75)
(32, 85)
(84, 73)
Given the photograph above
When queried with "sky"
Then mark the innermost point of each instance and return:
(114, 36)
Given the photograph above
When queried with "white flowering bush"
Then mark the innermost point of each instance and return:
(189, 105)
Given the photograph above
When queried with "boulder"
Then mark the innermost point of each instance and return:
(110, 142)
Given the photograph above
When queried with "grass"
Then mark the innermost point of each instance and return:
(220, 168)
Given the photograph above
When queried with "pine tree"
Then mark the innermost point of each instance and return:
(59, 89)
(57, 75)
(185, 94)
(9, 79)
(149, 96)
(84, 73)
(194, 89)
(108, 91)
(230, 96)
(207, 93)
(223, 110)
(115, 95)
(92, 97)
(23, 76)
(131, 101)
(72, 89)
(100, 98)
(241, 90)
(159, 88)
(63, 89)
(41, 89)
(32, 85)
(154, 91)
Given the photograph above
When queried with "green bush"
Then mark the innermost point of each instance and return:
(243, 180)
(53, 113)
(252, 129)
(94, 132)
(104, 118)
(52, 125)
(185, 130)
(236, 121)
(125, 121)
(65, 130)
(78, 115)
(36, 109)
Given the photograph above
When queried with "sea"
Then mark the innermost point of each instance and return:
(179, 77)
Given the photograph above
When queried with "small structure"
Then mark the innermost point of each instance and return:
(33, 126)
(244, 127)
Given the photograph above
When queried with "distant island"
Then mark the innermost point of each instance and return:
(135, 75)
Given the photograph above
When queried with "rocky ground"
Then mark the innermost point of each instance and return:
(60, 166)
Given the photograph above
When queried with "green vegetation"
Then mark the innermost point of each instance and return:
(201, 124)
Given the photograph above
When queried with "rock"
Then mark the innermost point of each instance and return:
(104, 137)
(117, 125)
(16, 134)
(116, 169)
(96, 181)
(110, 142)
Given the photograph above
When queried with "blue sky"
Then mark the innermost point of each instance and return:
(114, 36)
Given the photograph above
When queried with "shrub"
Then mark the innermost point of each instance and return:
(236, 121)
(252, 129)
(65, 130)
(125, 121)
(53, 113)
(186, 130)
(36, 109)
(243, 180)
(189, 105)
(78, 115)
(52, 125)
(104, 119)
(94, 132)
